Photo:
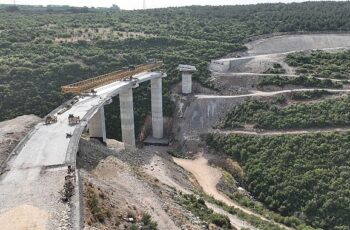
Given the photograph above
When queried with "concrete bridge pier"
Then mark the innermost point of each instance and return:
(97, 125)
(127, 118)
(186, 82)
(157, 108)
(187, 71)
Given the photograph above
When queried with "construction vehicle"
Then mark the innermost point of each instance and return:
(50, 120)
(64, 109)
(72, 120)
(93, 92)
(74, 100)
(68, 106)
(125, 73)
(129, 78)
(132, 67)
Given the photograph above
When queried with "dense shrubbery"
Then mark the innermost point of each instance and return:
(33, 64)
(309, 95)
(148, 223)
(322, 64)
(309, 82)
(198, 208)
(276, 69)
(267, 115)
(259, 223)
(306, 176)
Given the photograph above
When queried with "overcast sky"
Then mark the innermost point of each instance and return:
(138, 4)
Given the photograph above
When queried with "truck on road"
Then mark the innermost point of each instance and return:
(72, 120)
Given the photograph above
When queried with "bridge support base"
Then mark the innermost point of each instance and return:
(127, 118)
(97, 125)
(157, 108)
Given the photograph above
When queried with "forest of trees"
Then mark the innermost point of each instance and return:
(35, 63)
(44, 48)
(308, 82)
(271, 116)
(309, 95)
(321, 64)
(307, 176)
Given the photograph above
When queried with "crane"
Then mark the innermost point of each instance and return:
(126, 73)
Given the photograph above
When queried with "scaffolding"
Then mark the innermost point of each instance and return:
(92, 83)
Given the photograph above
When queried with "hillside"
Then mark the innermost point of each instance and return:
(42, 49)
(261, 144)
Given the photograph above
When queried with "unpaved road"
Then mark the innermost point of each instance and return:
(165, 175)
(208, 177)
(256, 93)
(284, 132)
(217, 74)
(235, 221)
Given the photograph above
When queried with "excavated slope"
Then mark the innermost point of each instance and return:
(288, 43)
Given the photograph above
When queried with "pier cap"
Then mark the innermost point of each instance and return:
(186, 68)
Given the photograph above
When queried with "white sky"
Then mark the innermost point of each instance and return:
(138, 4)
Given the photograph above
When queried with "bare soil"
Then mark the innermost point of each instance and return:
(208, 177)
(12, 131)
(138, 182)
(299, 42)
(24, 217)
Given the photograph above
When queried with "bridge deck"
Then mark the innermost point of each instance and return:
(37, 169)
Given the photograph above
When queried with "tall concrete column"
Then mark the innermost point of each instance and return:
(187, 71)
(97, 125)
(157, 108)
(186, 82)
(127, 117)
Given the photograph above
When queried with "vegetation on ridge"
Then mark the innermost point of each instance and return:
(306, 176)
(321, 64)
(42, 49)
(270, 116)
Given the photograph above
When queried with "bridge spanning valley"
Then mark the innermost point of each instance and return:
(37, 170)
(43, 156)
(48, 153)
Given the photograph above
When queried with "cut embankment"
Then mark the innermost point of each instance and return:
(288, 43)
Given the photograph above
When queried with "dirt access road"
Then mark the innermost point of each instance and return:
(208, 177)
(277, 133)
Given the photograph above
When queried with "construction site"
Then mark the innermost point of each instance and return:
(62, 171)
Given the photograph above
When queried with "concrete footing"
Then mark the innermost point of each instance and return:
(127, 118)
(156, 141)
(157, 108)
(97, 125)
